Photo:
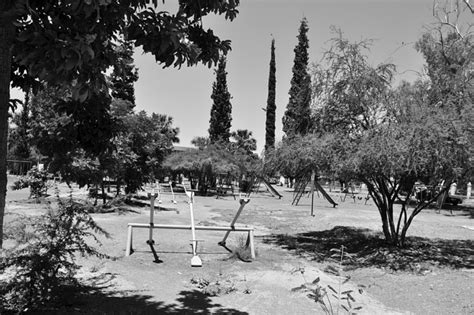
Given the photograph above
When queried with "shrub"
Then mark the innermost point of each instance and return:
(36, 272)
(36, 179)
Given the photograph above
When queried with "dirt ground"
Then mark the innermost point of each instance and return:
(289, 245)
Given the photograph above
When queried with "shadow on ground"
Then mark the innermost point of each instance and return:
(97, 296)
(368, 249)
(94, 300)
(188, 302)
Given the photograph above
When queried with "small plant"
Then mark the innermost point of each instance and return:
(321, 295)
(214, 288)
(36, 272)
(36, 180)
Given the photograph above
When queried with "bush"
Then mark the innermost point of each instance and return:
(36, 272)
(35, 179)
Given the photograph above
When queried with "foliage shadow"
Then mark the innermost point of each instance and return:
(367, 248)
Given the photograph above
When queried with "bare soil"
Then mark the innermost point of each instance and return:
(433, 276)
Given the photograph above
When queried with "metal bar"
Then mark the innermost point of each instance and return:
(252, 245)
(243, 202)
(152, 212)
(128, 250)
(188, 227)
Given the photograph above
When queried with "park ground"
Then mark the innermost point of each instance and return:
(434, 276)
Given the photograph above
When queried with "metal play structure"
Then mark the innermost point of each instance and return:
(300, 190)
(195, 260)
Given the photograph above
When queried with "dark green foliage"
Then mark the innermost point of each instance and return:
(206, 163)
(72, 44)
(271, 105)
(297, 118)
(200, 142)
(37, 271)
(386, 138)
(221, 111)
(244, 141)
(19, 139)
(142, 147)
(124, 74)
(36, 180)
(71, 134)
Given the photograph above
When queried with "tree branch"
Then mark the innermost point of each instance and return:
(469, 6)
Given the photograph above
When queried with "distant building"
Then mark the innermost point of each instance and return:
(179, 148)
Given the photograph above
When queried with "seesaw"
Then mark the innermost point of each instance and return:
(195, 261)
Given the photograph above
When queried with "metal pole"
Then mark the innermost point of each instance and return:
(152, 213)
(243, 202)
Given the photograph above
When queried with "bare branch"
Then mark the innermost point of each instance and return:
(469, 6)
(445, 15)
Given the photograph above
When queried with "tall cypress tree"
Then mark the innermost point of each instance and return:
(221, 111)
(271, 106)
(124, 74)
(297, 120)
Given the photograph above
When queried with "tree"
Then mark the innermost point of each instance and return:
(71, 135)
(297, 118)
(124, 74)
(244, 140)
(221, 110)
(142, 148)
(200, 142)
(19, 147)
(349, 93)
(393, 139)
(271, 105)
(72, 44)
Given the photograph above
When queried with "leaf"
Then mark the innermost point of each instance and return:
(315, 281)
(332, 289)
(348, 291)
(345, 308)
(300, 288)
(350, 297)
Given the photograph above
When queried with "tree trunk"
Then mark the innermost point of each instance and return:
(7, 32)
(104, 196)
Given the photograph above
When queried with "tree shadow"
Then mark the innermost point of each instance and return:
(188, 302)
(94, 300)
(367, 248)
(96, 295)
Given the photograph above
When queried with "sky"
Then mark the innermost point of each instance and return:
(185, 94)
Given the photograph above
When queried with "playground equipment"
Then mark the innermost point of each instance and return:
(195, 261)
(222, 243)
(300, 190)
(162, 188)
(256, 181)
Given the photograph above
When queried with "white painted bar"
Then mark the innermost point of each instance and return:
(250, 231)
(188, 227)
